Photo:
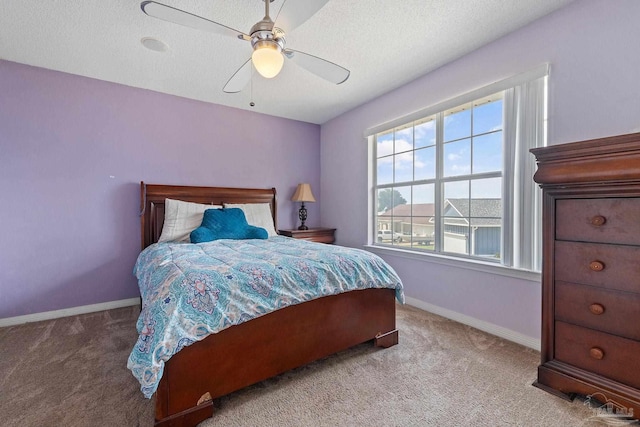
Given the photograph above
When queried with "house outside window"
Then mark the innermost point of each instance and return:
(457, 180)
(456, 153)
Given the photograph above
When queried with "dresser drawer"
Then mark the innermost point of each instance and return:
(596, 308)
(614, 220)
(608, 355)
(609, 266)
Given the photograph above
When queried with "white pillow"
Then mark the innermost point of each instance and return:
(181, 218)
(258, 214)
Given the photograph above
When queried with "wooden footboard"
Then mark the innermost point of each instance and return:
(267, 346)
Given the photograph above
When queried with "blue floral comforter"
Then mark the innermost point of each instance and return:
(190, 291)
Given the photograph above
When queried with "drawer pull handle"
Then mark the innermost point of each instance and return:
(596, 309)
(598, 220)
(596, 353)
(596, 265)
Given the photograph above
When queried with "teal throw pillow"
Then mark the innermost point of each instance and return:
(225, 224)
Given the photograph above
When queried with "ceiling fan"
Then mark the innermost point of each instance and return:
(267, 40)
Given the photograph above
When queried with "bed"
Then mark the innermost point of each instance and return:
(265, 346)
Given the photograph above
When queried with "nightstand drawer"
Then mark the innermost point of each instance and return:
(318, 235)
(609, 266)
(608, 355)
(610, 220)
(614, 312)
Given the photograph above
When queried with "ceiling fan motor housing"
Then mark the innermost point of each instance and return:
(263, 33)
(261, 40)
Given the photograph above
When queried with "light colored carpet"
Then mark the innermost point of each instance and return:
(72, 372)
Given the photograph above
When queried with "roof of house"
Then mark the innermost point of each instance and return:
(483, 212)
(417, 209)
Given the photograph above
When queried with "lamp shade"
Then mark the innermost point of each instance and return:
(303, 194)
(267, 58)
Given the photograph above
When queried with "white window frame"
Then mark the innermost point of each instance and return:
(524, 102)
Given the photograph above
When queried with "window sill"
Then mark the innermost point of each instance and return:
(469, 264)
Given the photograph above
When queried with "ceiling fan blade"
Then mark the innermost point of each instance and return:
(318, 66)
(177, 16)
(240, 78)
(294, 13)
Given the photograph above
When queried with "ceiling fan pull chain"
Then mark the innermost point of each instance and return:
(251, 103)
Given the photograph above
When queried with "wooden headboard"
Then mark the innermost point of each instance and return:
(152, 198)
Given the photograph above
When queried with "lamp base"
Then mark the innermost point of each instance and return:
(302, 214)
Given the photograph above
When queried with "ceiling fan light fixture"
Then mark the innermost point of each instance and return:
(267, 58)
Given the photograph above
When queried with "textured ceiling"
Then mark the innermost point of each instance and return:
(384, 44)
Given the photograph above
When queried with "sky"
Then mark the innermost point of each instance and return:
(472, 144)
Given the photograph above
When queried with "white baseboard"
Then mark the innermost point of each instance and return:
(490, 328)
(73, 311)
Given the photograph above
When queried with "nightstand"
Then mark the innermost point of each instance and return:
(320, 235)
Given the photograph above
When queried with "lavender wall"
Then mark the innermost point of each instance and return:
(73, 151)
(592, 46)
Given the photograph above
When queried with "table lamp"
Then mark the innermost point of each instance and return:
(303, 194)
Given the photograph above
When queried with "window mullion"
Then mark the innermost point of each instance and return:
(438, 190)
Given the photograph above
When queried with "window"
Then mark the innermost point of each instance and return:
(456, 179)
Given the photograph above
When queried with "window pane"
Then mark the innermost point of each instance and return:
(403, 139)
(457, 208)
(487, 116)
(384, 144)
(424, 195)
(457, 123)
(486, 217)
(486, 208)
(385, 170)
(385, 203)
(402, 196)
(423, 233)
(487, 153)
(393, 211)
(384, 227)
(388, 201)
(384, 217)
(404, 167)
(425, 132)
(425, 163)
(457, 158)
(423, 216)
(456, 199)
(490, 188)
(402, 216)
(383, 222)
(456, 236)
(402, 230)
(486, 238)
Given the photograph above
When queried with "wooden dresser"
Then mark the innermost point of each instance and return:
(591, 270)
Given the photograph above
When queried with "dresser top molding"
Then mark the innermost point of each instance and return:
(614, 158)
